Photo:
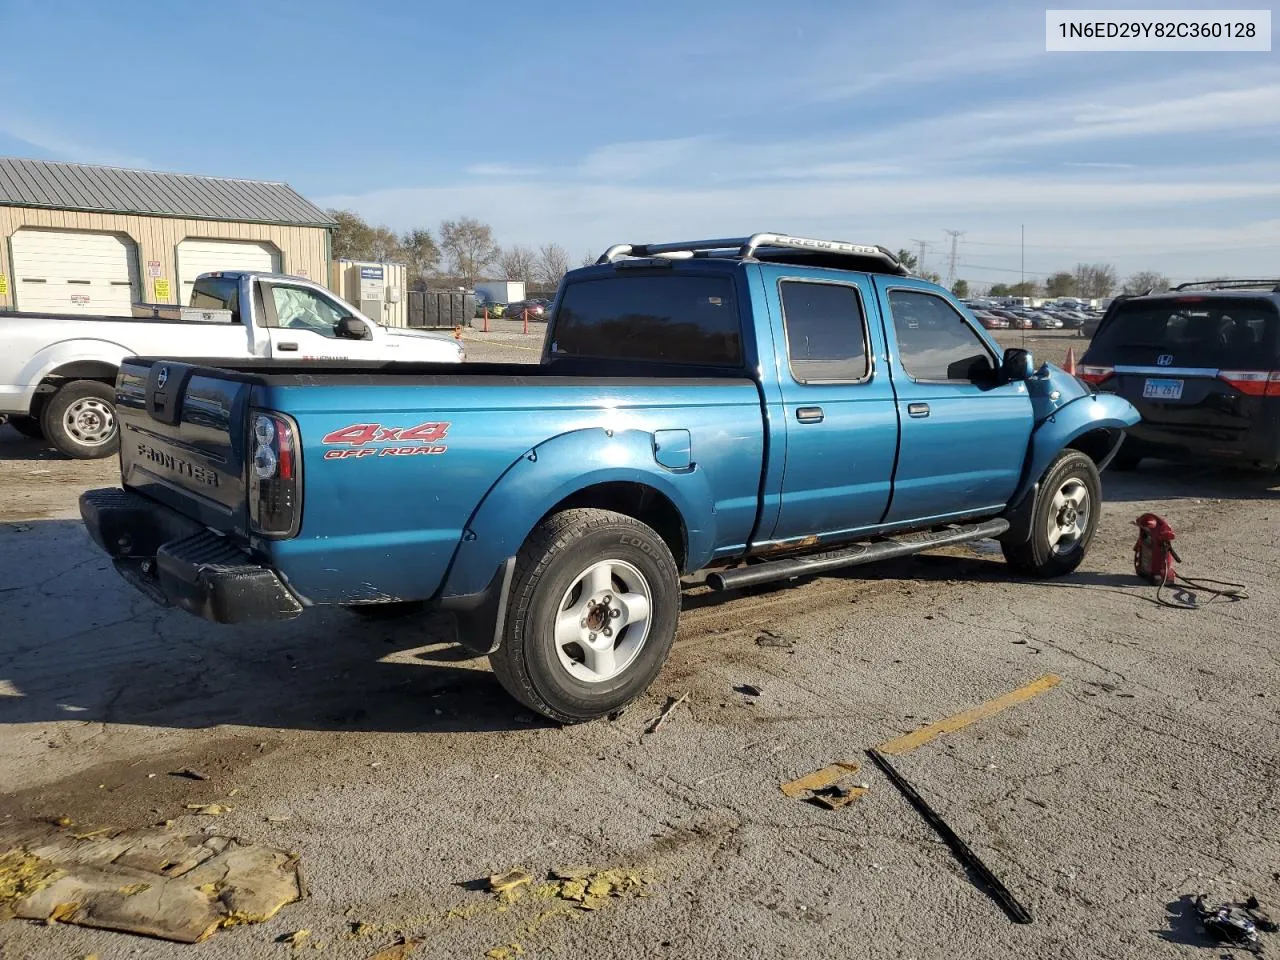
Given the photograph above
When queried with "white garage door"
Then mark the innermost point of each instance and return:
(74, 271)
(206, 256)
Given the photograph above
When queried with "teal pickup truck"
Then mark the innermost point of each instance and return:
(759, 409)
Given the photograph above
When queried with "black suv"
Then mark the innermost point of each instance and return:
(1202, 365)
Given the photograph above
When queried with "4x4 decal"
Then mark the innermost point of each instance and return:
(358, 441)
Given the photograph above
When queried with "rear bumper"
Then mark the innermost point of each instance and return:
(1258, 445)
(178, 562)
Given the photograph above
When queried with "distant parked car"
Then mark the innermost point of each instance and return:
(493, 308)
(990, 320)
(536, 306)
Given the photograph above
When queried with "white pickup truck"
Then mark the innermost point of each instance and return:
(58, 372)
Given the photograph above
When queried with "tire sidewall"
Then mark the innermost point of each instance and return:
(56, 408)
(534, 633)
(1072, 464)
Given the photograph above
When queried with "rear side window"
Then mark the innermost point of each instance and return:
(826, 332)
(668, 318)
(217, 293)
(1223, 333)
(934, 341)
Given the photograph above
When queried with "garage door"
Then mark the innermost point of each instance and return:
(74, 271)
(205, 256)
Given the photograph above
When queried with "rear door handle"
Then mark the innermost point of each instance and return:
(917, 409)
(809, 414)
(286, 346)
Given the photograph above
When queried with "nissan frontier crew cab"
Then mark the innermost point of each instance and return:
(759, 409)
(58, 372)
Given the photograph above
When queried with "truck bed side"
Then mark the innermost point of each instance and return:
(470, 458)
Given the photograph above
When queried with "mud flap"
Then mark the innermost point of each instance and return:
(480, 618)
(1020, 517)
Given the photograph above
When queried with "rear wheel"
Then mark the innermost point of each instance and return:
(1064, 519)
(27, 426)
(595, 598)
(80, 420)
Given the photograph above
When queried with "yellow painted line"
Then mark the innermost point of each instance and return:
(919, 738)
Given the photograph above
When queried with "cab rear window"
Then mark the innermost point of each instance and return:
(668, 318)
(1223, 333)
(217, 293)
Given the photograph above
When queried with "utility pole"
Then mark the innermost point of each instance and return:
(920, 261)
(955, 236)
(1024, 255)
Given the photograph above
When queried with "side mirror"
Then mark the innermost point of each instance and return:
(351, 328)
(1017, 365)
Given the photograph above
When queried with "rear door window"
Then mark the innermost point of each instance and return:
(826, 331)
(670, 318)
(1224, 333)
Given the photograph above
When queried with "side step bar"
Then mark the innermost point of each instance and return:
(885, 549)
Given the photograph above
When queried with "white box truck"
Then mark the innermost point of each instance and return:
(500, 291)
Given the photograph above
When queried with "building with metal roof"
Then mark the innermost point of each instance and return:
(81, 238)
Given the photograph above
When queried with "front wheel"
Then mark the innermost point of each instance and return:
(1064, 519)
(80, 420)
(594, 602)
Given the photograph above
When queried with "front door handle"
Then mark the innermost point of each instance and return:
(917, 409)
(809, 414)
(288, 345)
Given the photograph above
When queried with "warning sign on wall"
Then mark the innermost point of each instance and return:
(162, 289)
(80, 299)
(153, 268)
(4, 285)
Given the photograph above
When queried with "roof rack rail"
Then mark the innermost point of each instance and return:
(746, 248)
(1230, 284)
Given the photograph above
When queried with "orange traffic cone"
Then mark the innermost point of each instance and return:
(1069, 365)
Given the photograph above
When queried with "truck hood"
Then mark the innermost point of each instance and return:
(423, 343)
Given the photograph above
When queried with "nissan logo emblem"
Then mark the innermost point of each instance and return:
(163, 378)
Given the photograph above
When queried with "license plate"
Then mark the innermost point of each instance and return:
(1162, 390)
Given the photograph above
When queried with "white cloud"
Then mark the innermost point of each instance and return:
(639, 159)
(63, 147)
(500, 170)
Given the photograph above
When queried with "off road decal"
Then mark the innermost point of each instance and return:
(361, 440)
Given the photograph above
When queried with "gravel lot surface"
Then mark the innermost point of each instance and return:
(400, 772)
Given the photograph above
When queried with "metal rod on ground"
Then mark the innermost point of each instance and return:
(999, 892)
(525, 314)
(486, 319)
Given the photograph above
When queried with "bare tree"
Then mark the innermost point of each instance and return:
(468, 245)
(589, 259)
(518, 263)
(1095, 280)
(419, 250)
(1145, 280)
(553, 264)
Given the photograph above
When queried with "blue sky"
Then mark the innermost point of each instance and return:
(593, 123)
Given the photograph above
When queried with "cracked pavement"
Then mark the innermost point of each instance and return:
(401, 773)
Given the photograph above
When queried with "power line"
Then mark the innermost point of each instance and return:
(955, 236)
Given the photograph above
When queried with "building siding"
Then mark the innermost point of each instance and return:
(157, 238)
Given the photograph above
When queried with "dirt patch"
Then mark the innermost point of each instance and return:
(40, 483)
(140, 791)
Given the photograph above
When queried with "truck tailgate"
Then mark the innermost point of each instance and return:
(182, 439)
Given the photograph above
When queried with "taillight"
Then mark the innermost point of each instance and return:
(274, 468)
(1255, 383)
(1094, 374)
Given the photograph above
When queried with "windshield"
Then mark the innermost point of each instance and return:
(672, 318)
(1221, 333)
